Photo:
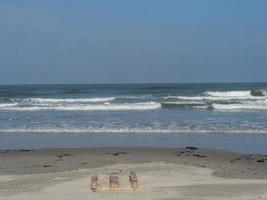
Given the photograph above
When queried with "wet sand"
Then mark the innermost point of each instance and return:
(185, 173)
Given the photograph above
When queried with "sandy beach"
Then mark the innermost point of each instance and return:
(185, 173)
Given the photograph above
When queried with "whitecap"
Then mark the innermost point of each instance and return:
(92, 107)
(246, 93)
(129, 130)
(71, 100)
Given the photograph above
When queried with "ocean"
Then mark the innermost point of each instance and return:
(231, 116)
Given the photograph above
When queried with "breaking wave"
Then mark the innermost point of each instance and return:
(71, 100)
(221, 100)
(6, 105)
(219, 96)
(210, 100)
(92, 107)
(257, 105)
(230, 94)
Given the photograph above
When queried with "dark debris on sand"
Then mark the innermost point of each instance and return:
(116, 153)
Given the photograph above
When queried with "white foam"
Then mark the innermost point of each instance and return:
(7, 105)
(220, 96)
(184, 103)
(128, 130)
(96, 107)
(209, 98)
(257, 105)
(246, 93)
(202, 107)
(215, 98)
(71, 100)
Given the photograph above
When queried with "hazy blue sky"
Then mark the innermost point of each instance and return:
(110, 41)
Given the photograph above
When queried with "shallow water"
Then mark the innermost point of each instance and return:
(231, 142)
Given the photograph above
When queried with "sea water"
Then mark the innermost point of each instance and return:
(225, 116)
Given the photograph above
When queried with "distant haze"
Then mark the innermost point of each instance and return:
(132, 41)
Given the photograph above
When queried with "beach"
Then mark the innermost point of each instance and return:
(177, 173)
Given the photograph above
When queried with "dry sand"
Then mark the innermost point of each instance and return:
(162, 173)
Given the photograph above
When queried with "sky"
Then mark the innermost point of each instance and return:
(132, 41)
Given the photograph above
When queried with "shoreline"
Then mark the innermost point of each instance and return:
(241, 143)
